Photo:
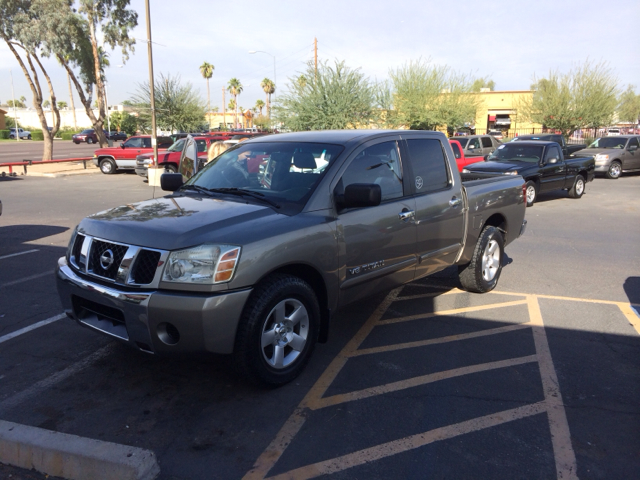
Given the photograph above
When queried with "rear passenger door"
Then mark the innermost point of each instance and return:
(487, 145)
(438, 194)
(378, 243)
(554, 173)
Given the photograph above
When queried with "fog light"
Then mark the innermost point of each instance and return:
(168, 333)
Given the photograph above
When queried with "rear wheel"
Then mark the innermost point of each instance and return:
(578, 187)
(531, 192)
(170, 168)
(89, 140)
(28, 137)
(615, 169)
(481, 274)
(107, 166)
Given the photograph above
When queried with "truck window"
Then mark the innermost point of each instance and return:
(378, 164)
(473, 143)
(552, 152)
(133, 143)
(486, 142)
(456, 150)
(146, 143)
(632, 142)
(428, 164)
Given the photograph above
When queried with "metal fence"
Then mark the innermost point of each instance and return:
(581, 136)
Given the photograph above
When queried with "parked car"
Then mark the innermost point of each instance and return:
(117, 136)
(88, 135)
(123, 157)
(478, 145)
(496, 134)
(256, 264)
(170, 158)
(462, 160)
(615, 155)
(613, 132)
(567, 148)
(24, 134)
(541, 164)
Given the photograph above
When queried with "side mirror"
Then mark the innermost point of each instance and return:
(486, 158)
(472, 147)
(122, 145)
(553, 160)
(171, 182)
(362, 195)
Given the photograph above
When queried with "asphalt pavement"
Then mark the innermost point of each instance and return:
(538, 379)
(18, 151)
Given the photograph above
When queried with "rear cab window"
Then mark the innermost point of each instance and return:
(429, 165)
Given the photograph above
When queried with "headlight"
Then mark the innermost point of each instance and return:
(602, 156)
(464, 170)
(204, 264)
(512, 172)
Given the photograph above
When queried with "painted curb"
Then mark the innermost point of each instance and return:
(72, 457)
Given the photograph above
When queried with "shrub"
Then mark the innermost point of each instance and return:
(37, 135)
(66, 136)
(4, 134)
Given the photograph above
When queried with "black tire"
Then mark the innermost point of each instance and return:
(614, 171)
(263, 350)
(89, 140)
(171, 168)
(531, 190)
(12, 137)
(107, 166)
(577, 190)
(482, 273)
(28, 137)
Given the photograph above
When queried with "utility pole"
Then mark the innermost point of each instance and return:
(15, 114)
(154, 132)
(224, 111)
(315, 55)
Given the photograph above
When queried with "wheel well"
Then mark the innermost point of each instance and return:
(498, 221)
(534, 180)
(106, 157)
(313, 278)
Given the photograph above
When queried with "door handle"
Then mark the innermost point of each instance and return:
(406, 215)
(454, 202)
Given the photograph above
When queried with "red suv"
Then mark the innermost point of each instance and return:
(123, 157)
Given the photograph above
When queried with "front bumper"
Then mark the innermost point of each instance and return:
(153, 321)
(142, 171)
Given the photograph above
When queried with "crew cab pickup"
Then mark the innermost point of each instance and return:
(541, 164)
(111, 159)
(567, 148)
(253, 254)
(462, 160)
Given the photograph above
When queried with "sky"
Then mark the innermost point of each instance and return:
(508, 42)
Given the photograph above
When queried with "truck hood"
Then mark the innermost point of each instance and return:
(163, 155)
(590, 152)
(175, 222)
(497, 167)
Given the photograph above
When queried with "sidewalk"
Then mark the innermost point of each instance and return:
(61, 169)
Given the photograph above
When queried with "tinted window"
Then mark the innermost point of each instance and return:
(515, 151)
(456, 150)
(164, 142)
(133, 143)
(202, 145)
(609, 142)
(146, 142)
(379, 164)
(463, 141)
(486, 142)
(633, 141)
(473, 143)
(552, 152)
(429, 165)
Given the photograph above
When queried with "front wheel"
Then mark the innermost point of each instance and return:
(171, 168)
(278, 330)
(28, 137)
(89, 140)
(531, 192)
(578, 187)
(107, 166)
(615, 170)
(482, 273)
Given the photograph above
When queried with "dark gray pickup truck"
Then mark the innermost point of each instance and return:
(253, 254)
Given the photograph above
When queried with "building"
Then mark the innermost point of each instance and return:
(3, 123)
(218, 120)
(498, 110)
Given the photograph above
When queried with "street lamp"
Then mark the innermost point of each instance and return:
(274, 69)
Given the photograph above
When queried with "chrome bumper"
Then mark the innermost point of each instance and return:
(153, 321)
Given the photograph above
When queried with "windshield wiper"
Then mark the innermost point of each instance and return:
(243, 192)
(197, 188)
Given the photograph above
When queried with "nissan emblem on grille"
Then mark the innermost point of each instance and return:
(106, 259)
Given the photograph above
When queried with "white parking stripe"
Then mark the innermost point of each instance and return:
(21, 253)
(26, 279)
(17, 333)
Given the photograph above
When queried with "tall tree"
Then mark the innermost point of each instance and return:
(259, 106)
(629, 106)
(235, 88)
(586, 96)
(481, 83)
(269, 88)
(427, 96)
(340, 97)
(206, 69)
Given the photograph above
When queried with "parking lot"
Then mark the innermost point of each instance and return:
(537, 379)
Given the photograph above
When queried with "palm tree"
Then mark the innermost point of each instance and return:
(269, 87)
(259, 106)
(235, 89)
(206, 69)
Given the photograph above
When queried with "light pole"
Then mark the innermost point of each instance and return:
(15, 114)
(274, 70)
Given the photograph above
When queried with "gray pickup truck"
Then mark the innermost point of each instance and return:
(253, 254)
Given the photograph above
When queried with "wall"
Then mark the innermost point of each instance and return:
(501, 105)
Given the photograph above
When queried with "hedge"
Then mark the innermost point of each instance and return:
(37, 135)
(66, 136)
(4, 134)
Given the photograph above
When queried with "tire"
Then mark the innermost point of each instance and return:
(28, 137)
(578, 187)
(278, 330)
(107, 166)
(89, 140)
(482, 273)
(615, 170)
(12, 137)
(171, 168)
(531, 190)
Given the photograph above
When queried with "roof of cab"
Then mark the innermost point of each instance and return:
(339, 137)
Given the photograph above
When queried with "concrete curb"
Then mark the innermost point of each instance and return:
(63, 174)
(72, 457)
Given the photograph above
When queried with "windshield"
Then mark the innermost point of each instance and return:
(87, 131)
(521, 153)
(609, 142)
(178, 146)
(285, 173)
(463, 141)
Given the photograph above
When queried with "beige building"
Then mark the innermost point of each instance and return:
(3, 123)
(498, 110)
(218, 119)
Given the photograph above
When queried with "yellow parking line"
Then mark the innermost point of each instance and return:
(417, 381)
(435, 341)
(454, 311)
(631, 315)
(412, 442)
(566, 467)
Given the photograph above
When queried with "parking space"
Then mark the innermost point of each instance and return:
(538, 379)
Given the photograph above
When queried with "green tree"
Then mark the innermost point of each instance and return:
(481, 83)
(62, 104)
(124, 122)
(269, 88)
(46, 104)
(235, 88)
(340, 97)
(259, 106)
(17, 104)
(427, 96)
(586, 96)
(629, 106)
(206, 69)
(178, 106)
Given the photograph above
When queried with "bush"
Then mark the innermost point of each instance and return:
(66, 136)
(4, 134)
(37, 135)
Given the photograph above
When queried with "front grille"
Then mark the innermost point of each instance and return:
(101, 253)
(145, 267)
(77, 249)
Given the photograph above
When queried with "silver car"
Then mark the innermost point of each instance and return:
(478, 145)
(614, 155)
